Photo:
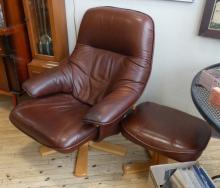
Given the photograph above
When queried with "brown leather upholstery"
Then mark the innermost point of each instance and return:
(173, 133)
(41, 119)
(102, 79)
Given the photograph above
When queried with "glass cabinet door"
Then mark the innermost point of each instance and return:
(41, 27)
(2, 18)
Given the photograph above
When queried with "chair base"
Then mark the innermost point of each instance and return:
(143, 166)
(108, 147)
(81, 164)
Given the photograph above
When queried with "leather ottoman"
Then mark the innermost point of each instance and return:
(167, 131)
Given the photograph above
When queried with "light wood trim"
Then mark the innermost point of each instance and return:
(108, 147)
(81, 165)
(44, 151)
(44, 57)
(59, 28)
(30, 26)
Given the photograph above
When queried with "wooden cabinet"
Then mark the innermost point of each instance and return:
(4, 85)
(14, 47)
(47, 29)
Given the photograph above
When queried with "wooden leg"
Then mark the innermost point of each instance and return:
(108, 147)
(154, 157)
(140, 166)
(44, 151)
(136, 167)
(81, 165)
(163, 160)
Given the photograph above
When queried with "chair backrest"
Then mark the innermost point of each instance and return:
(114, 49)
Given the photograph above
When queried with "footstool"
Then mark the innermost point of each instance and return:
(166, 132)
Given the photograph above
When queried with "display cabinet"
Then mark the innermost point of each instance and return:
(47, 29)
(14, 48)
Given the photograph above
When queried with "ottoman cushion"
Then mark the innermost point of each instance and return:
(171, 132)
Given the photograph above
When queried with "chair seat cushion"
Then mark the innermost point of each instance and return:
(54, 121)
(173, 133)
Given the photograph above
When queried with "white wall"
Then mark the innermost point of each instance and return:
(179, 52)
(70, 16)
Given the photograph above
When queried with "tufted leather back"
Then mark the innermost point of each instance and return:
(114, 49)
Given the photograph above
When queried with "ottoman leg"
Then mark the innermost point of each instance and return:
(143, 166)
(44, 151)
(157, 158)
(136, 167)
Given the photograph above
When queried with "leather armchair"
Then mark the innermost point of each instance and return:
(85, 98)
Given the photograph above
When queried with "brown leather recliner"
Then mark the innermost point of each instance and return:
(85, 98)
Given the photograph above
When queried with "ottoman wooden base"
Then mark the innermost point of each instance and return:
(143, 166)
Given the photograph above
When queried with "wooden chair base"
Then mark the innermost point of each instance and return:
(143, 166)
(108, 147)
(81, 164)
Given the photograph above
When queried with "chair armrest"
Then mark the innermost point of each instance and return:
(112, 107)
(50, 82)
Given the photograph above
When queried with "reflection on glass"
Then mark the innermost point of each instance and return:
(42, 27)
(2, 20)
